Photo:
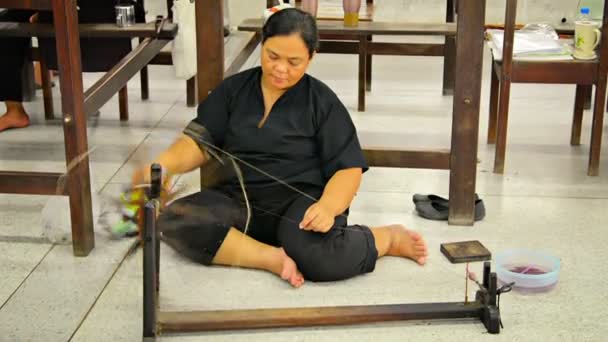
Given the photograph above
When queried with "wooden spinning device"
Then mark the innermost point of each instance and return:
(156, 321)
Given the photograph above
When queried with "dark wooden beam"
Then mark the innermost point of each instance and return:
(438, 160)
(311, 316)
(394, 49)
(567, 72)
(465, 122)
(30, 183)
(14, 29)
(162, 58)
(369, 28)
(382, 48)
(27, 4)
(115, 79)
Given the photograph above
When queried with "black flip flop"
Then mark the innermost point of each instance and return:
(439, 209)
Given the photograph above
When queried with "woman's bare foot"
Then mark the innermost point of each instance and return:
(286, 268)
(408, 244)
(15, 117)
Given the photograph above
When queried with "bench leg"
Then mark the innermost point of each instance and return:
(582, 93)
(123, 103)
(362, 72)
(47, 90)
(493, 112)
(368, 70)
(191, 92)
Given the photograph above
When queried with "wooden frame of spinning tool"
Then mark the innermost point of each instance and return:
(460, 160)
(156, 322)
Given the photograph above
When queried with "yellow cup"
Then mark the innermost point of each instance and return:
(351, 19)
(586, 39)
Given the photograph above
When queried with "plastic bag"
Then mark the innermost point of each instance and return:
(184, 44)
(55, 219)
(541, 29)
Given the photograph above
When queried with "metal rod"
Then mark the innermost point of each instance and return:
(312, 316)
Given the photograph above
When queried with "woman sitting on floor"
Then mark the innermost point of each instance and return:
(292, 126)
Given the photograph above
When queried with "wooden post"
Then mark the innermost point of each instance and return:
(123, 103)
(449, 52)
(65, 16)
(600, 101)
(362, 72)
(210, 48)
(47, 89)
(505, 87)
(465, 122)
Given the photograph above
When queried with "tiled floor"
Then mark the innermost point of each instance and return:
(543, 201)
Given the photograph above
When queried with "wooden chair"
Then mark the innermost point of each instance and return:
(584, 74)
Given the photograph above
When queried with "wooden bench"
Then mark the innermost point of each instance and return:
(337, 38)
(76, 103)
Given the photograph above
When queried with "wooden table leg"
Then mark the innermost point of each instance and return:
(368, 70)
(210, 48)
(493, 111)
(74, 124)
(145, 84)
(144, 80)
(191, 92)
(362, 72)
(47, 89)
(582, 93)
(123, 103)
(598, 123)
(449, 53)
(465, 122)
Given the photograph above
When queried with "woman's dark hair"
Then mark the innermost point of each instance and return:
(293, 20)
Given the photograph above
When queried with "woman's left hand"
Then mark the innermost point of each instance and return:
(317, 219)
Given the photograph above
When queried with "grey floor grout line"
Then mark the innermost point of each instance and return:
(105, 286)
(25, 239)
(27, 277)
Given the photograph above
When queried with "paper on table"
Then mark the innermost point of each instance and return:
(526, 43)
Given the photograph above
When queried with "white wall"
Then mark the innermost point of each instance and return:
(417, 10)
(433, 10)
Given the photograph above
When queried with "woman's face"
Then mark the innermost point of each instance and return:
(284, 60)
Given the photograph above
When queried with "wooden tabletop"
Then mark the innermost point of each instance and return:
(148, 30)
(368, 28)
(27, 4)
